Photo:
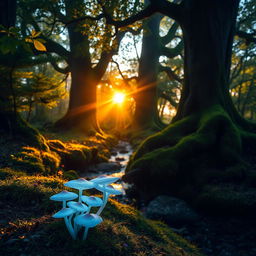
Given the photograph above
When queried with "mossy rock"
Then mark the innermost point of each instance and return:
(32, 160)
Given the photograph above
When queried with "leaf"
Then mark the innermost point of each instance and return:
(29, 40)
(35, 34)
(39, 46)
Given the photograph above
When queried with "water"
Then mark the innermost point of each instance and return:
(120, 154)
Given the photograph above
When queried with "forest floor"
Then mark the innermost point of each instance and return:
(26, 225)
(27, 228)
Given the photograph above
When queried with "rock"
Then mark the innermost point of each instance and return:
(105, 167)
(172, 210)
(113, 153)
(123, 151)
(120, 159)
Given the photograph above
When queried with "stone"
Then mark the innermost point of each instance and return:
(171, 210)
(105, 167)
(120, 159)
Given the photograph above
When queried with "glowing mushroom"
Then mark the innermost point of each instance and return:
(65, 213)
(107, 191)
(88, 221)
(64, 196)
(104, 180)
(80, 184)
(92, 201)
(77, 206)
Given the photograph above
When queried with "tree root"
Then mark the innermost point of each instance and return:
(173, 159)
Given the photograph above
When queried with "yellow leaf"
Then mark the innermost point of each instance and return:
(29, 40)
(35, 34)
(39, 46)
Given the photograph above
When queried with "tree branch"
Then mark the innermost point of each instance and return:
(172, 52)
(162, 6)
(57, 67)
(170, 73)
(107, 55)
(249, 37)
(170, 34)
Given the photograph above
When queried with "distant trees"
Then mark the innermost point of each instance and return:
(91, 43)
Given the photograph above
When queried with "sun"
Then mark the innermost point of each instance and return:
(118, 97)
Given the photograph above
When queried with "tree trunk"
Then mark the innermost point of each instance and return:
(146, 97)
(204, 144)
(81, 113)
(208, 32)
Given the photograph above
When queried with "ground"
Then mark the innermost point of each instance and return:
(27, 228)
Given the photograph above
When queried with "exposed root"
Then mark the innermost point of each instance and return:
(174, 158)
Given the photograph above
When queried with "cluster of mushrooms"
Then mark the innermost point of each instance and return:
(77, 213)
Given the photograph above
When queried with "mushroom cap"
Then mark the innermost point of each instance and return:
(77, 206)
(109, 189)
(64, 196)
(104, 179)
(79, 184)
(64, 212)
(92, 200)
(88, 220)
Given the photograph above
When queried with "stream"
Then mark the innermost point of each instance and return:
(116, 165)
(214, 235)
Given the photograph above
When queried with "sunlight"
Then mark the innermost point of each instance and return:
(118, 97)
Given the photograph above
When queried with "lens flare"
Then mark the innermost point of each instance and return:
(118, 97)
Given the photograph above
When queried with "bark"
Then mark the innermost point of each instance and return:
(208, 31)
(203, 148)
(146, 97)
(81, 113)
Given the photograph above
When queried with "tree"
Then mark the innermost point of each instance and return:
(207, 131)
(12, 54)
(92, 43)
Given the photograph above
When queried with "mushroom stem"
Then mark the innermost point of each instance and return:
(88, 210)
(69, 227)
(64, 204)
(105, 200)
(80, 195)
(85, 233)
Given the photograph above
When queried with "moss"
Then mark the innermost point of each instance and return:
(7, 173)
(70, 175)
(51, 162)
(227, 199)
(123, 232)
(33, 160)
(200, 149)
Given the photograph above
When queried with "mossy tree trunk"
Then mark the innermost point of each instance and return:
(207, 132)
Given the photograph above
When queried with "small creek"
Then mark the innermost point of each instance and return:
(116, 165)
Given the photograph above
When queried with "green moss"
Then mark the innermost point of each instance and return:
(124, 231)
(7, 173)
(70, 175)
(198, 150)
(51, 162)
(227, 199)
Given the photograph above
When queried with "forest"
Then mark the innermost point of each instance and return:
(143, 108)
